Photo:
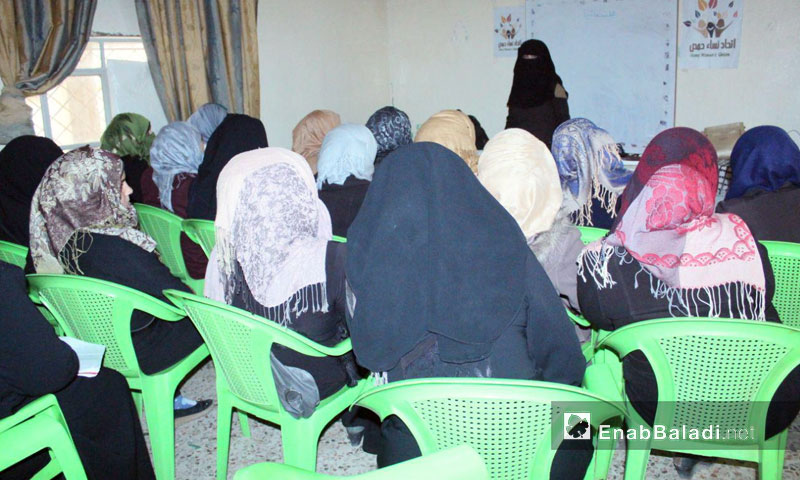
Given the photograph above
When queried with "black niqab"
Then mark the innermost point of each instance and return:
(535, 79)
(431, 252)
(236, 134)
(22, 165)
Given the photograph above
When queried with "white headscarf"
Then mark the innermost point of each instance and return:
(519, 171)
(272, 232)
(348, 149)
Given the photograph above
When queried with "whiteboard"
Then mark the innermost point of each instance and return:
(616, 59)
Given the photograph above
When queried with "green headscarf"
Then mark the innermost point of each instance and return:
(128, 134)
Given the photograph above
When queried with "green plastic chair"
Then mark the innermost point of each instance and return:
(458, 463)
(515, 425)
(785, 260)
(710, 372)
(13, 253)
(240, 345)
(98, 311)
(36, 426)
(590, 234)
(166, 228)
(201, 232)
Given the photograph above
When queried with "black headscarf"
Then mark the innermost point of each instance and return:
(22, 165)
(431, 252)
(236, 134)
(480, 134)
(535, 79)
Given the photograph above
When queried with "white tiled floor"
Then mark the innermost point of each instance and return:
(195, 446)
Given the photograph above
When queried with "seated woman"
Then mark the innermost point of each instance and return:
(519, 172)
(346, 164)
(82, 223)
(765, 188)
(444, 285)
(22, 163)
(236, 134)
(129, 135)
(538, 101)
(391, 128)
(99, 411)
(309, 133)
(274, 257)
(207, 118)
(452, 129)
(592, 173)
(667, 211)
(174, 157)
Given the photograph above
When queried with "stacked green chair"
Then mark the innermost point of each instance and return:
(240, 345)
(98, 311)
(201, 232)
(590, 234)
(710, 372)
(13, 253)
(37, 426)
(458, 463)
(515, 425)
(785, 260)
(166, 228)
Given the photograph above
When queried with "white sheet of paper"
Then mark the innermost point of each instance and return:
(90, 356)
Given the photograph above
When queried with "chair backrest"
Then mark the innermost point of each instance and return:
(515, 425)
(590, 234)
(240, 344)
(13, 253)
(712, 371)
(98, 311)
(785, 260)
(165, 228)
(201, 232)
(458, 463)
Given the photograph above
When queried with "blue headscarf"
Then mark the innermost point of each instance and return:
(764, 158)
(348, 149)
(391, 128)
(177, 148)
(589, 167)
(207, 118)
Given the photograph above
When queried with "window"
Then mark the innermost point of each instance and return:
(77, 111)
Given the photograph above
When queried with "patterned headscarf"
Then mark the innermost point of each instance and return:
(207, 118)
(177, 148)
(348, 149)
(391, 128)
(454, 130)
(309, 133)
(590, 168)
(667, 222)
(80, 193)
(519, 171)
(272, 233)
(128, 134)
(764, 158)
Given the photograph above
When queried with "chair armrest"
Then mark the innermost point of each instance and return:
(30, 410)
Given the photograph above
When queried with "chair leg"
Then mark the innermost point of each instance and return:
(65, 456)
(243, 424)
(636, 457)
(158, 403)
(300, 439)
(603, 454)
(770, 457)
(137, 401)
(224, 414)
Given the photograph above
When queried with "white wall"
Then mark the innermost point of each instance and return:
(320, 54)
(441, 57)
(765, 89)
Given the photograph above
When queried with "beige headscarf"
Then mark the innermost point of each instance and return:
(307, 136)
(454, 130)
(519, 171)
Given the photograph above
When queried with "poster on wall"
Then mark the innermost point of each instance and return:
(710, 33)
(509, 30)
